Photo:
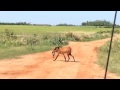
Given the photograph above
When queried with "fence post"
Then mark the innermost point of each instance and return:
(110, 45)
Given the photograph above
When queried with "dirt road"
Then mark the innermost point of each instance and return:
(42, 66)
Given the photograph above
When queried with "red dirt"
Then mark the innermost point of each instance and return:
(42, 66)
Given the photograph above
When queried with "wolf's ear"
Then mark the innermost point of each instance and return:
(55, 48)
(58, 47)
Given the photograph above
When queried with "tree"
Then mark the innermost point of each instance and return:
(97, 23)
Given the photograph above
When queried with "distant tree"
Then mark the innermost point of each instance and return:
(64, 24)
(97, 23)
(17, 23)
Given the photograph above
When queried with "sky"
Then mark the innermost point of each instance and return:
(57, 17)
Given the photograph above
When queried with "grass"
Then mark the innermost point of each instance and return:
(27, 29)
(14, 52)
(114, 62)
(18, 40)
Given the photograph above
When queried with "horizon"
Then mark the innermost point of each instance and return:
(56, 17)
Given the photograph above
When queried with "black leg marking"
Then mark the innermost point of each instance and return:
(73, 57)
(56, 57)
(64, 57)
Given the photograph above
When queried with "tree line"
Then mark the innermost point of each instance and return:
(88, 23)
(17, 23)
(97, 23)
(23, 23)
(65, 24)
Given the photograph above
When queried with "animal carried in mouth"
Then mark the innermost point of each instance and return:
(63, 50)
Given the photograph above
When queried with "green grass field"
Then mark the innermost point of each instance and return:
(27, 29)
(16, 40)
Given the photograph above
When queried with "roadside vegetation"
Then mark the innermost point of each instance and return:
(23, 39)
(114, 62)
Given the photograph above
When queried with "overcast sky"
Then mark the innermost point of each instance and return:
(57, 17)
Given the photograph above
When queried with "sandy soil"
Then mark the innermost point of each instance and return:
(42, 66)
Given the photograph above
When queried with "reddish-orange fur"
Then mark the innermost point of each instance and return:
(63, 50)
